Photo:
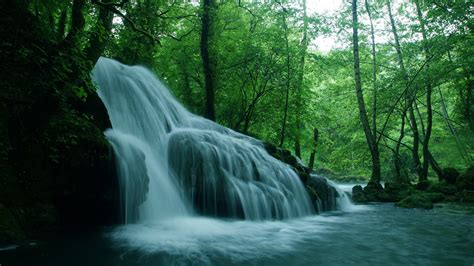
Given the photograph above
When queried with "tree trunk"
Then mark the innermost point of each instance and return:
(61, 29)
(313, 152)
(429, 110)
(468, 101)
(371, 139)
(374, 71)
(287, 95)
(398, 163)
(299, 86)
(206, 62)
(410, 95)
(77, 25)
(100, 36)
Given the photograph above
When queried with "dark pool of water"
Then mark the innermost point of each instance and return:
(378, 234)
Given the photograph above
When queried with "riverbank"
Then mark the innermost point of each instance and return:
(457, 188)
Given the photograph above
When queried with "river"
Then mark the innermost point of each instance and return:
(374, 234)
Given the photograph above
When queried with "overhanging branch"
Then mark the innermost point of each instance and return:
(113, 8)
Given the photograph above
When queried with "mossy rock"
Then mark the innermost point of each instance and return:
(383, 196)
(422, 185)
(443, 187)
(314, 197)
(466, 180)
(397, 191)
(465, 196)
(10, 230)
(358, 194)
(435, 197)
(417, 200)
(372, 190)
(286, 157)
(450, 175)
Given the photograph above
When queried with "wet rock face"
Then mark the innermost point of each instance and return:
(358, 194)
(322, 194)
(370, 193)
(286, 157)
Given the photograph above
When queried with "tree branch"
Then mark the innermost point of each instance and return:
(113, 8)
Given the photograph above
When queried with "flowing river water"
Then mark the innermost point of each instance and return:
(374, 234)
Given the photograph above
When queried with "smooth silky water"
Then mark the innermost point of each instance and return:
(378, 234)
(194, 192)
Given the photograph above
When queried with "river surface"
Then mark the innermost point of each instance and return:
(377, 234)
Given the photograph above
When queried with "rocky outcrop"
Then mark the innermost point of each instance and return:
(286, 157)
(322, 194)
(454, 187)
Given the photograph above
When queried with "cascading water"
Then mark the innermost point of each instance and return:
(173, 163)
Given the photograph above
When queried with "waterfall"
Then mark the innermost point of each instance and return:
(174, 163)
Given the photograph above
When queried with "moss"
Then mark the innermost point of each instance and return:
(466, 180)
(435, 197)
(358, 194)
(398, 191)
(422, 185)
(443, 187)
(465, 196)
(417, 200)
(450, 175)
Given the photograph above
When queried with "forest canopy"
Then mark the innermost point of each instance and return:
(256, 67)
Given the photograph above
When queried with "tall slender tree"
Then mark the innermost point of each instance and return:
(374, 70)
(299, 86)
(206, 33)
(288, 76)
(371, 139)
(429, 89)
(409, 97)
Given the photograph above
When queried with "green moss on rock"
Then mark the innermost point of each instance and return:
(466, 180)
(443, 187)
(450, 175)
(417, 200)
(358, 194)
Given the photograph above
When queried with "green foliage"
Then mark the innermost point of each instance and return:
(257, 51)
